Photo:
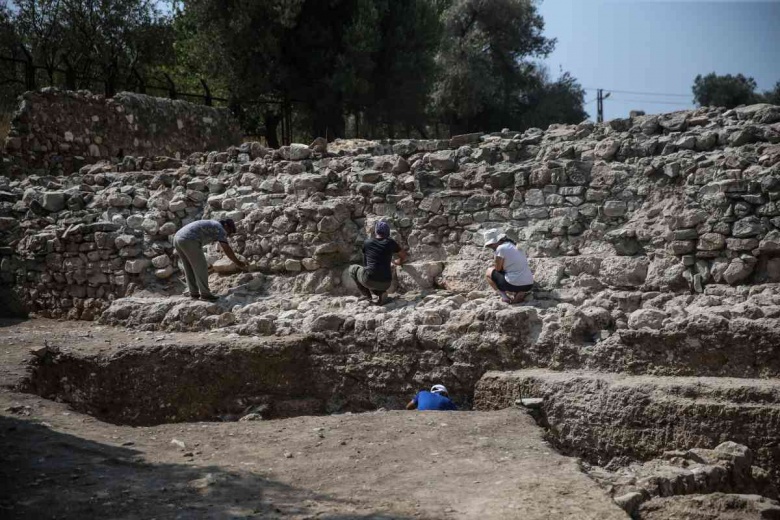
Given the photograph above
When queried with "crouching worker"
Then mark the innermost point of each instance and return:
(375, 275)
(510, 272)
(189, 242)
(436, 399)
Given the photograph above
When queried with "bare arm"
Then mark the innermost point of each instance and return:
(230, 254)
(402, 256)
(499, 264)
(412, 405)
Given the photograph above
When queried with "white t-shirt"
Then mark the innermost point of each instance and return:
(516, 269)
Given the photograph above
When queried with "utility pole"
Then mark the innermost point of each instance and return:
(600, 97)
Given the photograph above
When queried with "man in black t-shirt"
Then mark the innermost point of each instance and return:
(375, 275)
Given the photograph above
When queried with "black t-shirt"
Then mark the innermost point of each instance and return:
(377, 255)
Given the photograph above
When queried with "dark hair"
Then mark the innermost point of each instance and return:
(505, 240)
(229, 225)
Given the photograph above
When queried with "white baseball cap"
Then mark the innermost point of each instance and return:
(439, 389)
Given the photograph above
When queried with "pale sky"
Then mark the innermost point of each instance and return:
(655, 49)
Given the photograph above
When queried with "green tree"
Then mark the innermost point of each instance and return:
(559, 101)
(724, 91)
(484, 66)
(102, 40)
(773, 96)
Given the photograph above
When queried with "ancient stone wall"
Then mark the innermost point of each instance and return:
(682, 202)
(60, 131)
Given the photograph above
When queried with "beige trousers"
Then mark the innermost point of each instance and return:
(196, 269)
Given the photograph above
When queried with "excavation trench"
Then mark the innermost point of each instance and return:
(274, 378)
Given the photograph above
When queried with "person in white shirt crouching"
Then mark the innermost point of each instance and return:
(511, 273)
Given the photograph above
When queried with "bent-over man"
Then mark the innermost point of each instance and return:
(189, 242)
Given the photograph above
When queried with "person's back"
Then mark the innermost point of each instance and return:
(516, 270)
(203, 231)
(378, 254)
(426, 400)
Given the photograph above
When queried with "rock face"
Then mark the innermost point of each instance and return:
(602, 416)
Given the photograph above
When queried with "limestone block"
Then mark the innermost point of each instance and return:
(739, 269)
(771, 242)
(137, 266)
(135, 221)
(711, 242)
(120, 200)
(327, 322)
(169, 228)
(124, 241)
(150, 226)
(419, 275)
(292, 266)
(180, 205)
(161, 261)
(607, 149)
(165, 272)
(747, 227)
(53, 201)
(622, 271)
(615, 208)
(547, 272)
(444, 160)
(299, 152)
(646, 318)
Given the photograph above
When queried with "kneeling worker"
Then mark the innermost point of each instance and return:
(375, 275)
(189, 242)
(436, 399)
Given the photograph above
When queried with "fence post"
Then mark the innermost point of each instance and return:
(140, 79)
(70, 74)
(171, 86)
(207, 97)
(29, 70)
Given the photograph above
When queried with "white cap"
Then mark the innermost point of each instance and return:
(439, 389)
(493, 236)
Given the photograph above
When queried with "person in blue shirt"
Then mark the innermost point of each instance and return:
(437, 399)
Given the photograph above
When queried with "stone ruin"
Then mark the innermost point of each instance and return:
(652, 334)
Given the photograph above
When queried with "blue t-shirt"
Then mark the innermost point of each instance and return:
(426, 400)
(204, 231)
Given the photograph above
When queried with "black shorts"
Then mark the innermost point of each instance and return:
(503, 285)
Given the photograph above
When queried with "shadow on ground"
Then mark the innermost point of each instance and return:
(49, 474)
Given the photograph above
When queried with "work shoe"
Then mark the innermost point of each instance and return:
(209, 297)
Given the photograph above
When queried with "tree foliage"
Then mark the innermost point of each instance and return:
(84, 43)
(484, 61)
(773, 96)
(388, 67)
(724, 91)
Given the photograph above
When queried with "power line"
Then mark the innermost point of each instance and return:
(640, 93)
(650, 101)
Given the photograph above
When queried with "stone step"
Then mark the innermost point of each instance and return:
(601, 415)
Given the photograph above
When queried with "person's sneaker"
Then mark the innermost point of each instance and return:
(209, 297)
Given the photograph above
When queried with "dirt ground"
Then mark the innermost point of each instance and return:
(57, 463)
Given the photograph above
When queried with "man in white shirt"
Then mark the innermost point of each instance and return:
(511, 272)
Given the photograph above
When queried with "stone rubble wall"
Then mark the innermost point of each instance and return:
(727, 468)
(662, 205)
(58, 132)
